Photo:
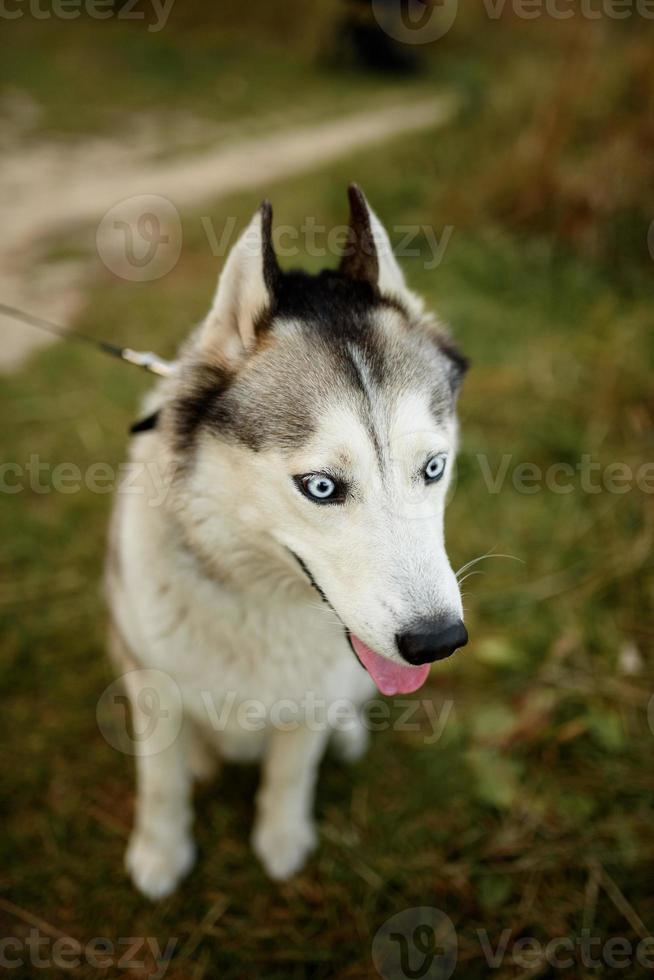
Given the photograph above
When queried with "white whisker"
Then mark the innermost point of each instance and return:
(489, 554)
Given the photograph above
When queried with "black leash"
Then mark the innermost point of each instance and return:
(144, 359)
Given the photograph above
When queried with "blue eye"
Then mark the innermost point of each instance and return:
(435, 468)
(320, 487)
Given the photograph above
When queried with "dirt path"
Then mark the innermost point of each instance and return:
(50, 189)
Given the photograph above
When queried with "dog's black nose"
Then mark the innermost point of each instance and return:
(431, 640)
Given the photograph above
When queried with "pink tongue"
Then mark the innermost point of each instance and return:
(390, 678)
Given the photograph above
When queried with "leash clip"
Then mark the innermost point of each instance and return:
(149, 360)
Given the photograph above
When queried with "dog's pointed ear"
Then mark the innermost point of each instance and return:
(246, 292)
(368, 254)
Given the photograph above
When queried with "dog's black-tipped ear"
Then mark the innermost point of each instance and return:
(271, 270)
(246, 293)
(368, 253)
(458, 364)
(360, 254)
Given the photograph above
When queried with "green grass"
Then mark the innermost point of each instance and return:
(541, 784)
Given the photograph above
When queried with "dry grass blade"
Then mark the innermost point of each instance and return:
(214, 912)
(623, 905)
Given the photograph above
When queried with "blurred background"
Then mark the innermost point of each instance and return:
(515, 145)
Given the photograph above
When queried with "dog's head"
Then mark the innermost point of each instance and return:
(319, 411)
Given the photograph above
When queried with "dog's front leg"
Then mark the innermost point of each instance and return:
(161, 849)
(284, 832)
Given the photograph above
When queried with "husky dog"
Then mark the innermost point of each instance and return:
(297, 555)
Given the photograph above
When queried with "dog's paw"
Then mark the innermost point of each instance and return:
(157, 869)
(282, 847)
(350, 744)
